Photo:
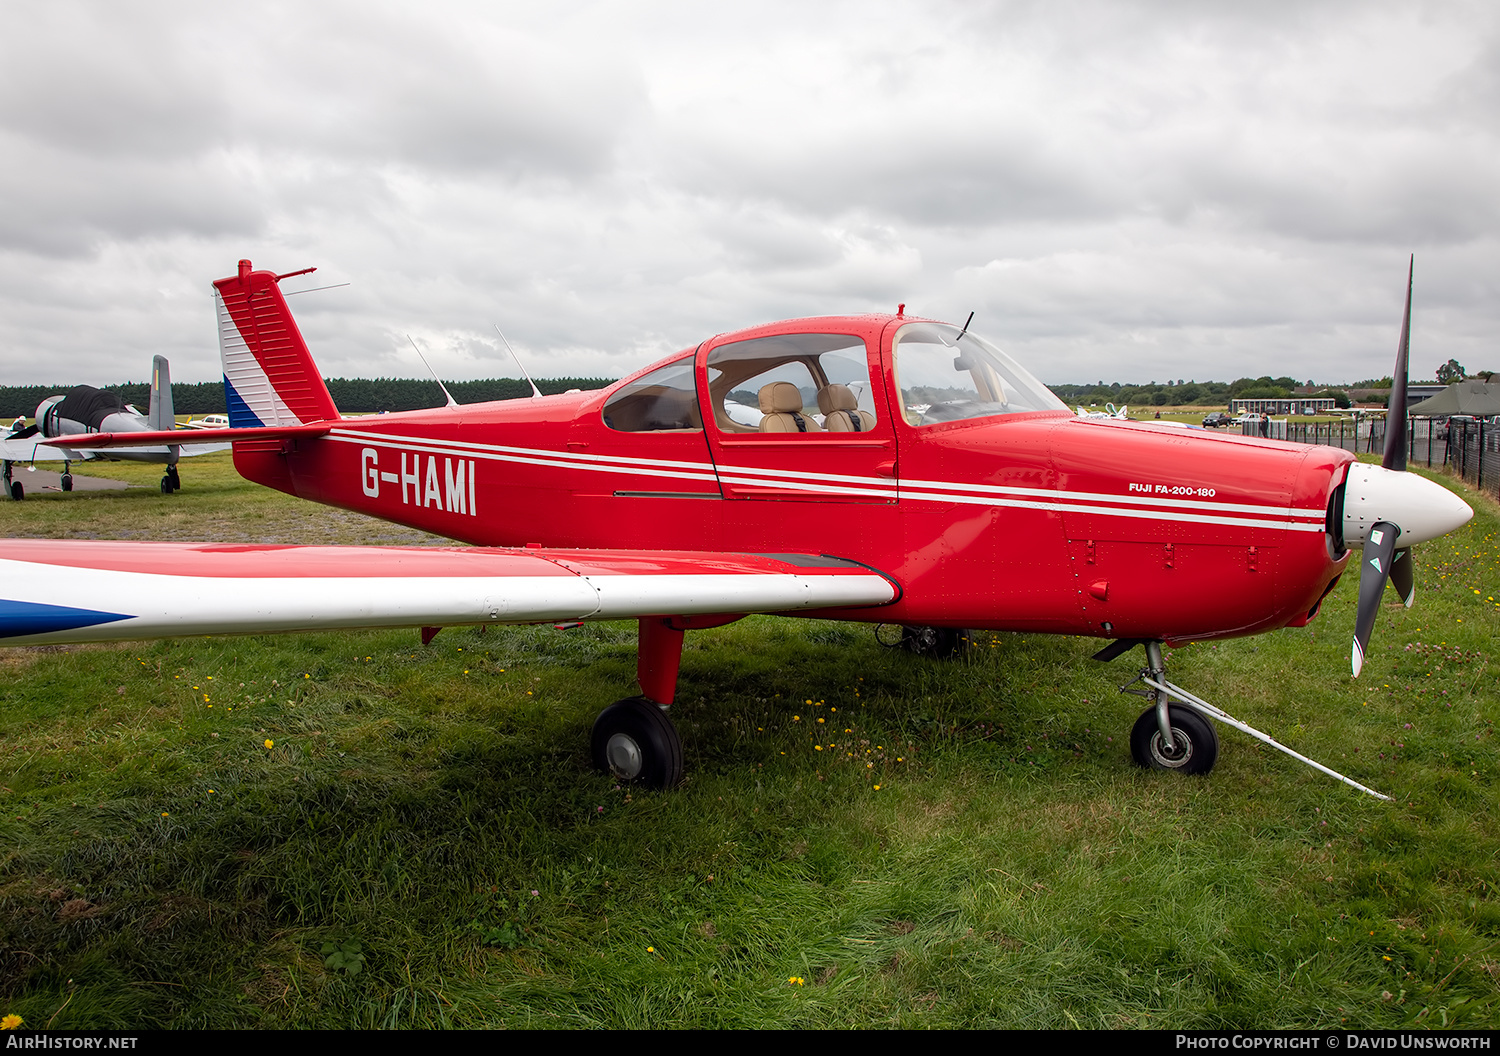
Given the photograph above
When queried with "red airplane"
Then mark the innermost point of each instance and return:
(880, 468)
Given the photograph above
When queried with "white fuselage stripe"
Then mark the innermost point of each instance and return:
(1101, 504)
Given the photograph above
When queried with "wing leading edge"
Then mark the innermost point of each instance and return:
(86, 591)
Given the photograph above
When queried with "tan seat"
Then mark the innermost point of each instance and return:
(781, 403)
(840, 410)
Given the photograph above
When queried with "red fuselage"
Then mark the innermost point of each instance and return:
(1035, 520)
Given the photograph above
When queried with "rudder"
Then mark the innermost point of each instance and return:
(160, 414)
(269, 375)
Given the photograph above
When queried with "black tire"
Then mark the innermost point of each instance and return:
(1194, 738)
(67, 482)
(166, 485)
(16, 491)
(937, 643)
(634, 740)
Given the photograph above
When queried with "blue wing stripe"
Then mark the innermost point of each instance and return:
(20, 618)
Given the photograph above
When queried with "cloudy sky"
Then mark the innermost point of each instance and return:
(1126, 191)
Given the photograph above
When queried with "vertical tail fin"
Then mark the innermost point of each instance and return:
(269, 375)
(159, 414)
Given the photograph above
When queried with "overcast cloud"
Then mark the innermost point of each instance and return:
(1121, 191)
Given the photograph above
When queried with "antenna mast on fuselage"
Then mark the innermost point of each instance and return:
(534, 390)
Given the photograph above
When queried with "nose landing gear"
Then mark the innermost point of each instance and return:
(1178, 736)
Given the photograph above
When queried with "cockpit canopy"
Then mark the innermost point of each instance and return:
(818, 382)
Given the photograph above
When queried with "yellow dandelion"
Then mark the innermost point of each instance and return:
(650, 949)
(270, 743)
(11, 1022)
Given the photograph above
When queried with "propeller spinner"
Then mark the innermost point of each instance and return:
(1386, 510)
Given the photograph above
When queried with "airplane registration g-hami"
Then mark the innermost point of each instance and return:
(877, 468)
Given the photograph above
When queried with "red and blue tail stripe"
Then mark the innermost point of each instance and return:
(270, 378)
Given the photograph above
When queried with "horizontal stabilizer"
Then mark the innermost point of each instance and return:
(187, 437)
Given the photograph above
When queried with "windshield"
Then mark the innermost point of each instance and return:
(946, 375)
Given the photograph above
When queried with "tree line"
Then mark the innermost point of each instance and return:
(350, 395)
(1191, 393)
(372, 395)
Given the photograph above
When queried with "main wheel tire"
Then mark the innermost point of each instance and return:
(1195, 742)
(16, 491)
(938, 643)
(166, 485)
(634, 740)
(67, 482)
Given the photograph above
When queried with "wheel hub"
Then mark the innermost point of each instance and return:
(1181, 752)
(624, 756)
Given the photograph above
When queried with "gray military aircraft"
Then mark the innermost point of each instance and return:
(84, 410)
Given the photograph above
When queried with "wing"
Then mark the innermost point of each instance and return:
(87, 591)
(32, 449)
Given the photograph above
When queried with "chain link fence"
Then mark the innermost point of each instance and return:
(1470, 446)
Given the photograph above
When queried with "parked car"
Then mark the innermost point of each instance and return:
(1217, 419)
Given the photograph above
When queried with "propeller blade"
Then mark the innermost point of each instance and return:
(1395, 415)
(1403, 575)
(1374, 571)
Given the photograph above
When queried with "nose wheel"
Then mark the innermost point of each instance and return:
(1194, 748)
(634, 740)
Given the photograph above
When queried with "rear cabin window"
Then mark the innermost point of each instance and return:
(664, 400)
(793, 384)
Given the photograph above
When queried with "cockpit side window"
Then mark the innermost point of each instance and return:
(664, 400)
(791, 384)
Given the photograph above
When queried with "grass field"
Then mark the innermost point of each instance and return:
(351, 830)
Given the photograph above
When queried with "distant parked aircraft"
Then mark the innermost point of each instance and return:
(85, 410)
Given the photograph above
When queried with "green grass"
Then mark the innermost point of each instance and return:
(429, 818)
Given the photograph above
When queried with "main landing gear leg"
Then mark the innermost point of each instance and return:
(1178, 736)
(633, 738)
